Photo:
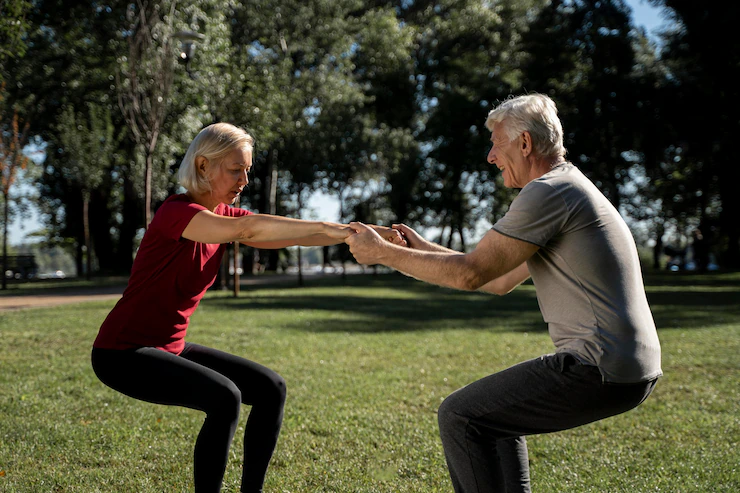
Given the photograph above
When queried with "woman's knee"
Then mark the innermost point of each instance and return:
(226, 400)
(279, 390)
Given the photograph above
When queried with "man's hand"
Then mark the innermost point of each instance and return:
(366, 244)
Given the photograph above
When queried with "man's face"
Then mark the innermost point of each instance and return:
(507, 157)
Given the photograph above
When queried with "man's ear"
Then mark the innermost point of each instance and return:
(526, 144)
(201, 163)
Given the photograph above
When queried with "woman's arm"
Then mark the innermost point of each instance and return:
(388, 234)
(207, 227)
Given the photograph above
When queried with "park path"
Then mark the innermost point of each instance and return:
(81, 295)
(61, 297)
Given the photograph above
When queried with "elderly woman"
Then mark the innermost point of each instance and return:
(141, 351)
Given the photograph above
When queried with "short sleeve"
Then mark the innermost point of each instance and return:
(536, 215)
(173, 217)
(227, 210)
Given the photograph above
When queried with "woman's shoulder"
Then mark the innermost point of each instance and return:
(227, 210)
(178, 202)
(174, 215)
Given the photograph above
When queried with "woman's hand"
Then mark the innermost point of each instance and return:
(411, 237)
(337, 231)
(389, 234)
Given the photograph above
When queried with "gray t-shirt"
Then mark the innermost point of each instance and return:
(587, 275)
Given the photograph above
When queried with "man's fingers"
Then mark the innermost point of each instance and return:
(360, 227)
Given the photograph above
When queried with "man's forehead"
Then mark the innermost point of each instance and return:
(498, 131)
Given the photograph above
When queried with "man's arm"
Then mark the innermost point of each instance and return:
(505, 284)
(494, 256)
(415, 240)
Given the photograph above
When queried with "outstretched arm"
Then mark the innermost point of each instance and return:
(389, 234)
(207, 227)
(495, 256)
(415, 240)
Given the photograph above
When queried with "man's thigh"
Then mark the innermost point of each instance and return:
(546, 394)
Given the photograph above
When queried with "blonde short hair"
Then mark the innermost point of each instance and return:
(533, 113)
(214, 143)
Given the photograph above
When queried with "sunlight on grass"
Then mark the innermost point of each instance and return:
(367, 364)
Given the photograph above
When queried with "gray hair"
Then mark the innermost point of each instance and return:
(533, 113)
(214, 143)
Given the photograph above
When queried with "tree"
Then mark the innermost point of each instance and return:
(13, 138)
(703, 94)
(582, 54)
(467, 59)
(72, 49)
(90, 143)
(13, 26)
(145, 81)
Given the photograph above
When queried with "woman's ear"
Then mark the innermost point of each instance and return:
(201, 163)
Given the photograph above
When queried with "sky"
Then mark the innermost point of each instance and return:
(325, 207)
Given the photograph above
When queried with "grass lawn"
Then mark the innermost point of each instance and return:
(367, 363)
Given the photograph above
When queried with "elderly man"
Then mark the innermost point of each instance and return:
(583, 261)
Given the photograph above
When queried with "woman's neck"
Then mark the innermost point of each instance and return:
(204, 199)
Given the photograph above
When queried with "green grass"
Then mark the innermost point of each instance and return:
(367, 363)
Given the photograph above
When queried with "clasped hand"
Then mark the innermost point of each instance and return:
(367, 244)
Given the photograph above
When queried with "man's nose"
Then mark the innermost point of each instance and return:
(491, 156)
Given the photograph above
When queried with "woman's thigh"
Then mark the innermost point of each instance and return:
(254, 380)
(156, 376)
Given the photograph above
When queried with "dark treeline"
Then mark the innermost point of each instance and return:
(378, 103)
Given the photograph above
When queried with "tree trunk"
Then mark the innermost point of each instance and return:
(148, 191)
(462, 237)
(127, 230)
(658, 248)
(86, 230)
(272, 256)
(300, 267)
(235, 263)
(5, 242)
(79, 264)
(300, 253)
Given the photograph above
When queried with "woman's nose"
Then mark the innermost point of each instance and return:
(490, 156)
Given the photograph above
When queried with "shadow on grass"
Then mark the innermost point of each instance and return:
(430, 308)
(677, 302)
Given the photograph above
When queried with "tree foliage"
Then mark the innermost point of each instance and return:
(379, 103)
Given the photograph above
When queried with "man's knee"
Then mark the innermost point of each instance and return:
(451, 414)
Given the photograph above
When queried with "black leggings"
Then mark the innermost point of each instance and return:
(211, 381)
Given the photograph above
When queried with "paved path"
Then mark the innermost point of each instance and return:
(55, 297)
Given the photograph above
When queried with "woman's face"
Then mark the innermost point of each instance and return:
(230, 176)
